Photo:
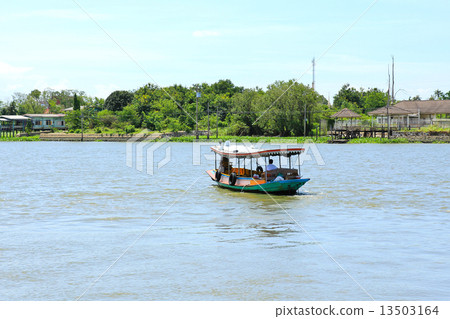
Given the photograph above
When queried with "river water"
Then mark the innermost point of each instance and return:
(77, 223)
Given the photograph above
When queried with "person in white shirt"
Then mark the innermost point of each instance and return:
(271, 167)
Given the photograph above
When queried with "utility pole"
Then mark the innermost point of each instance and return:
(387, 106)
(314, 71)
(393, 91)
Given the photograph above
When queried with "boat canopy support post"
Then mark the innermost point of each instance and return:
(299, 166)
(265, 161)
(239, 166)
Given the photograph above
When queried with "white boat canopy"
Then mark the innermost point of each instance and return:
(242, 151)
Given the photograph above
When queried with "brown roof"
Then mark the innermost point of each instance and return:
(393, 110)
(345, 113)
(426, 107)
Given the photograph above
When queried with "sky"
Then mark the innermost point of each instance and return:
(102, 46)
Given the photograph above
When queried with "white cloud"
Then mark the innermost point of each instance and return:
(10, 70)
(205, 33)
(13, 87)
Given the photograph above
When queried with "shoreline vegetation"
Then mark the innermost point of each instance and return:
(232, 112)
(111, 137)
(35, 138)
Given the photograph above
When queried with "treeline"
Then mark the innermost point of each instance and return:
(285, 108)
(363, 101)
(36, 102)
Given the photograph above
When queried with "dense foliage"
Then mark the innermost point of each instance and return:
(359, 101)
(280, 110)
(76, 103)
(117, 100)
(36, 102)
(285, 108)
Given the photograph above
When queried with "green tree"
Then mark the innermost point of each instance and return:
(29, 127)
(31, 106)
(174, 125)
(374, 99)
(284, 108)
(415, 98)
(221, 103)
(169, 111)
(226, 87)
(64, 98)
(145, 97)
(90, 117)
(54, 108)
(73, 120)
(97, 103)
(35, 94)
(437, 95)
(446, 96)
(129, 114)
(10, 109)
(153, 121)
(107, 118)
(245, 112)
(349, 94)
(117, 100)
(76, 103)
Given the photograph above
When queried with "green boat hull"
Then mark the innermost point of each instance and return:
(288, 187)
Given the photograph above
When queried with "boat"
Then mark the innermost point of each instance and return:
(233, 172)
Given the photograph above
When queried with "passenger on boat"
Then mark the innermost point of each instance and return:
(271, 166)
(279, 178)
(224, 163)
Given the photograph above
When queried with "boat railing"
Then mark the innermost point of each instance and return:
(287, 173)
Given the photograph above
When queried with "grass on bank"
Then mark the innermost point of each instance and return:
(378, 140)
(20, 139)
(428, 129)
(102, 130)
(252, 139)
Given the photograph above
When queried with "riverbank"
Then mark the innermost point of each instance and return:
(74, 137)
(398, 140)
